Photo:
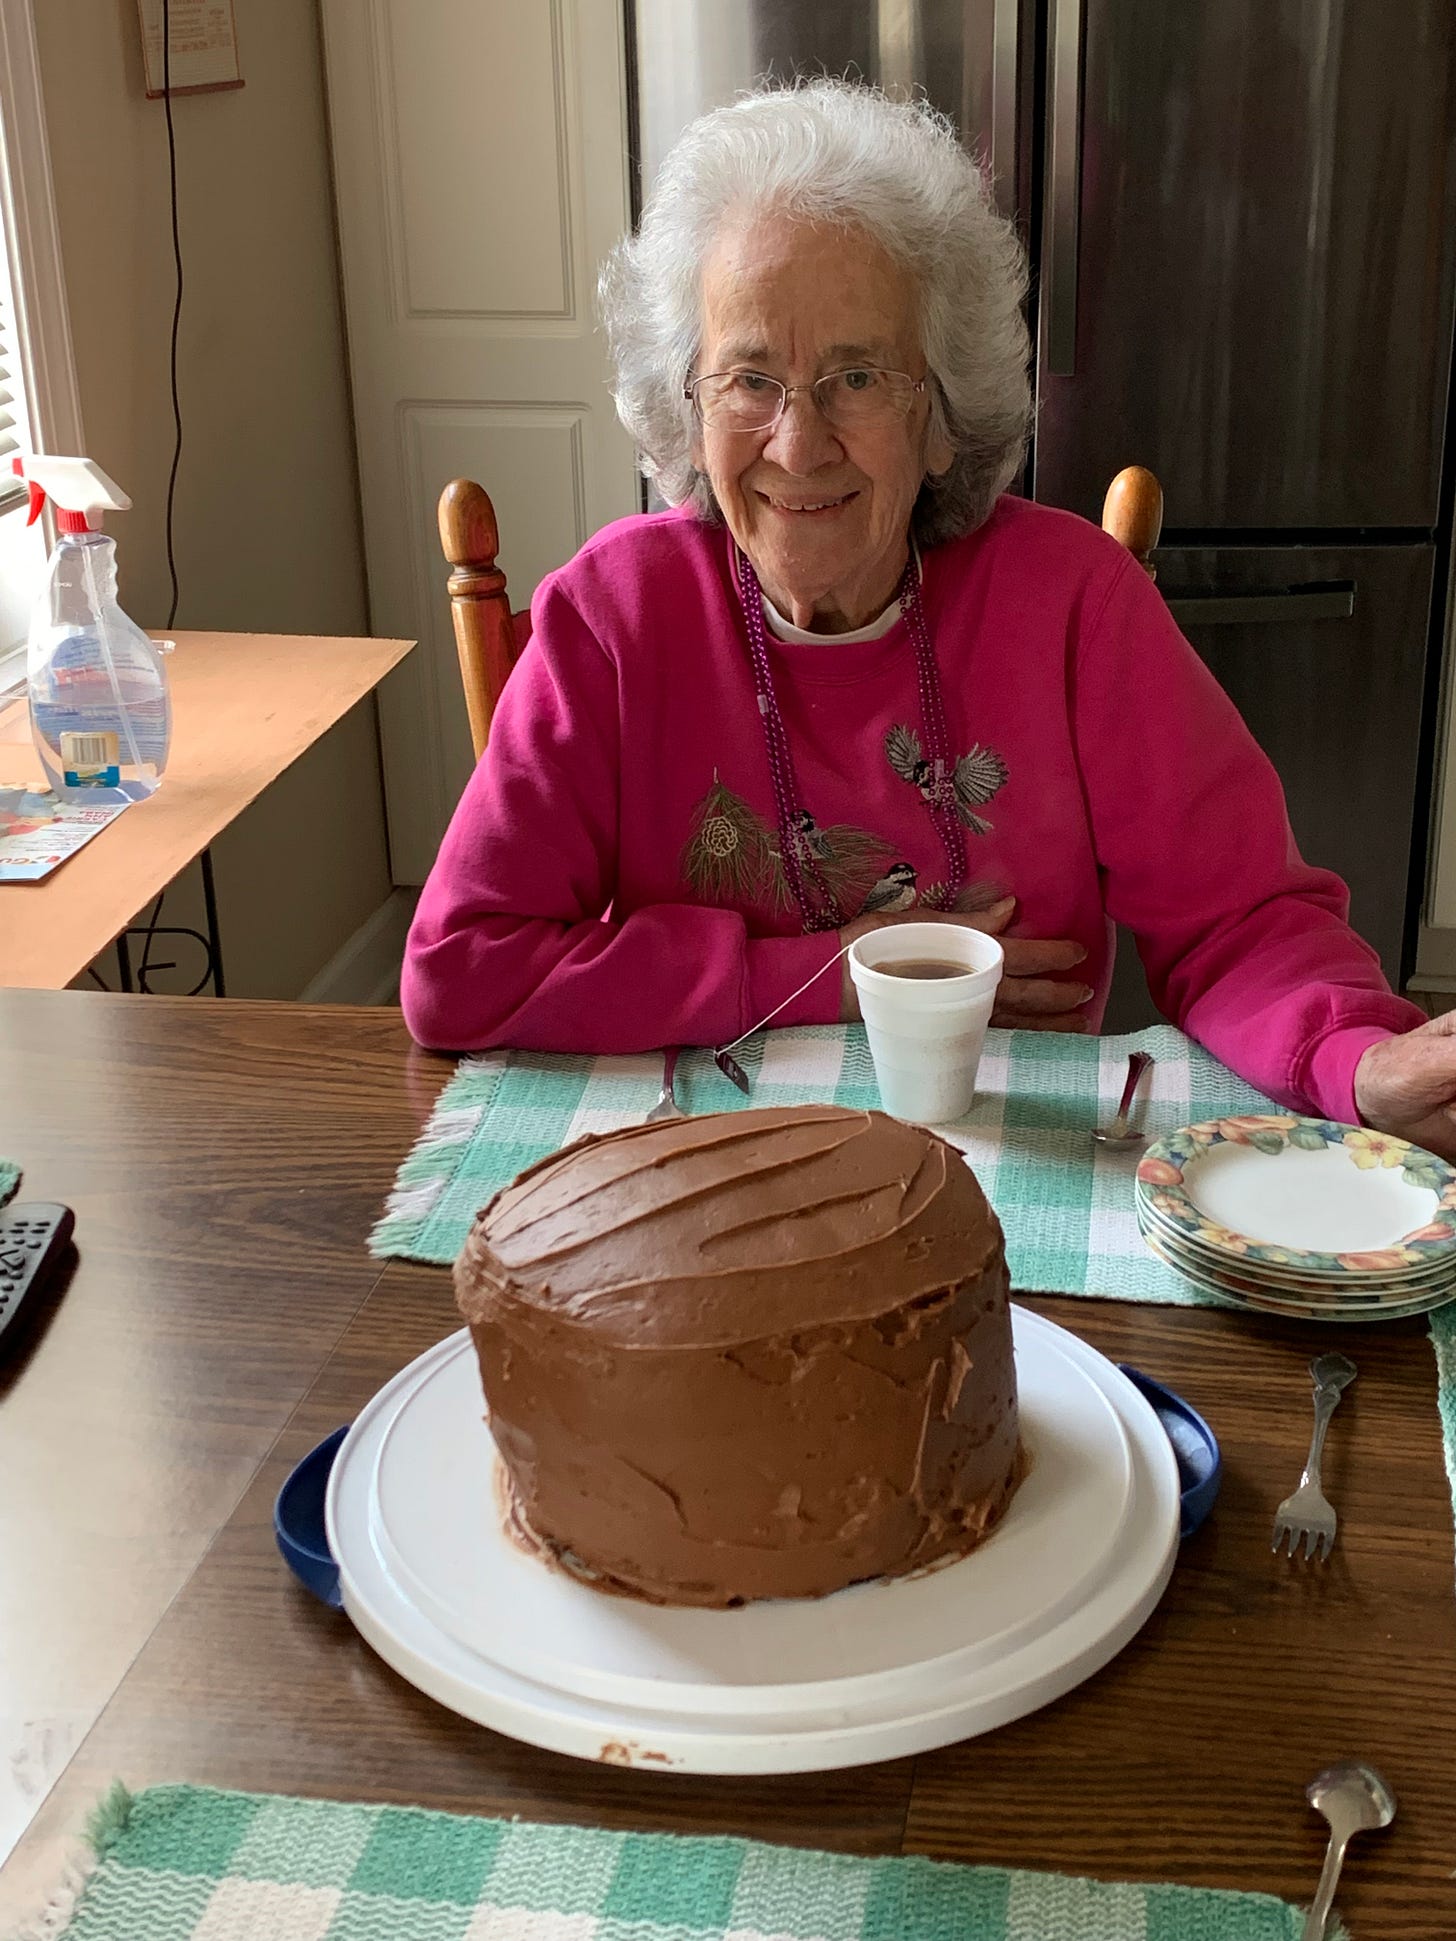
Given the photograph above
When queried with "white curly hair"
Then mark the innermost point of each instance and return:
(835, 152)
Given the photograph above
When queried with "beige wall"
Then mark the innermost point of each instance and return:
(266, 526)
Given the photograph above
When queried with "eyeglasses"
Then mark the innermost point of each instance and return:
(749, 401)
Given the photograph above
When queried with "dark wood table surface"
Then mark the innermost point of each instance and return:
(226, 1160)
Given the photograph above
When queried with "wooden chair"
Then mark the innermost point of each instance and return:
(489, 636)
(1133, 513)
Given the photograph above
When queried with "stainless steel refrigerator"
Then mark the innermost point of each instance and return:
(1242, 220)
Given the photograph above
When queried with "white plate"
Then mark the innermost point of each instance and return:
(1315, 1201)
(1267, 1300)
(1338, 1280)
(436, 1475)
(1345, 1289)
(1310, 1194)
(875, 1672)
(1247, 1274)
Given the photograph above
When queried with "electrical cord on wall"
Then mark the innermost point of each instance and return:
(150, 931)
(177, 301)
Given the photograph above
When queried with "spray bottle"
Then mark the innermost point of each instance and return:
(100, 713)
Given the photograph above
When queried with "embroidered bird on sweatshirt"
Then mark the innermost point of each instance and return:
(894, 891)
(810, 838)
(977, 775)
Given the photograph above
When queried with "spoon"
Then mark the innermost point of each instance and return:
(1354, 1799)
(1117, 1133)
(667, 1106)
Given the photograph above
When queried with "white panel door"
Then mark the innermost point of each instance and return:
(481, 173)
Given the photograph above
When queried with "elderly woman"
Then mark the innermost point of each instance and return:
(846, 681)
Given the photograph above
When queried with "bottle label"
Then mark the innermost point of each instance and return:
(91, 760)
(147, 721)
(81, 683)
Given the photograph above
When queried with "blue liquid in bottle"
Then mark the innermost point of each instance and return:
(101, 713)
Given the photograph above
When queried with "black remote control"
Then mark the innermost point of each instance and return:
(33, 1238)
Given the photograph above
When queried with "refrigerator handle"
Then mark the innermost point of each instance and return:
(1064, 176)
(1005, 50)
(1274, 604)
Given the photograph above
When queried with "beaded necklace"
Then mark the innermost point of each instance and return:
(817, 903)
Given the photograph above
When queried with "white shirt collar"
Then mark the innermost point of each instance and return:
(785, 630)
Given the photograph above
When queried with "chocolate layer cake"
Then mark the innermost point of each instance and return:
(758, 1354)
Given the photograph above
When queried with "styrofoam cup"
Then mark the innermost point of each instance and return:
(926, 1034)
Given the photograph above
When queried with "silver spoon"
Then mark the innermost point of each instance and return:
(1354, 1799)
(667, 1106)
(1117, 1133)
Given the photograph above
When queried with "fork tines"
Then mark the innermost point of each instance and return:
(1318, 1543)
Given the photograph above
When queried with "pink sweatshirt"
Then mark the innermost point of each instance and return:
(610, 881)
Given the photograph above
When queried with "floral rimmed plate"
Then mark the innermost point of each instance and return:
(1342, 1312)
(1310, 1195)
(1410, 1272)
(1239, 1279)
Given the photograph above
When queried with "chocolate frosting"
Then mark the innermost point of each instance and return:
(756, 1354)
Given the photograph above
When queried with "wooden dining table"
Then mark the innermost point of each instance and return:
(225, 1162)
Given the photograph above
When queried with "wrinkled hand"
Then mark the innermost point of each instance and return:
(1407, 1086)
(1029, 998)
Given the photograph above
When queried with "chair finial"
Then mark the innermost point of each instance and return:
(1132, 513)
(484, 630)
(469, 535)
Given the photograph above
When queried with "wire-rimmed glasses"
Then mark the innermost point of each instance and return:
(752, 401)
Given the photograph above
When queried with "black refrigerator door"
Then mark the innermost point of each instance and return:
(1247, 259)
(1323, 652)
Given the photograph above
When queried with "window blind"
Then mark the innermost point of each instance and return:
(13, 433)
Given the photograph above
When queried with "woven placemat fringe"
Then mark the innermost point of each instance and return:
(439, 1150)
(53, 1919)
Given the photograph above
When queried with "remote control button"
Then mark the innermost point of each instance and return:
(12, 1262)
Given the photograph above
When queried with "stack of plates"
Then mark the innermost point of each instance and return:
(1302, 1217)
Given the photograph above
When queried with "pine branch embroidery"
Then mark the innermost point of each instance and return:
(732, 854)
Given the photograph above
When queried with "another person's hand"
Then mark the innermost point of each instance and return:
(1029, 997)
(1406, 1085)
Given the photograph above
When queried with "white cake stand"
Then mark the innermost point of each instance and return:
(441, 1593)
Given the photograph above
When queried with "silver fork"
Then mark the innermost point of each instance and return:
(1307, 1514)
(667, 1106)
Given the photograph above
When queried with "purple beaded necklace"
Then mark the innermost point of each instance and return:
(817, 902)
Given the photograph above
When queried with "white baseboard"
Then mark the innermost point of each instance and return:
(366, 969)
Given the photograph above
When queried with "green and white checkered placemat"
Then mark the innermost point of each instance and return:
(1443, 1335)
(1066, 1202)
(179, 1863)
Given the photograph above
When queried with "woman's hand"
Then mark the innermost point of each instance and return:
(1028, 999)
(1406, 1085)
